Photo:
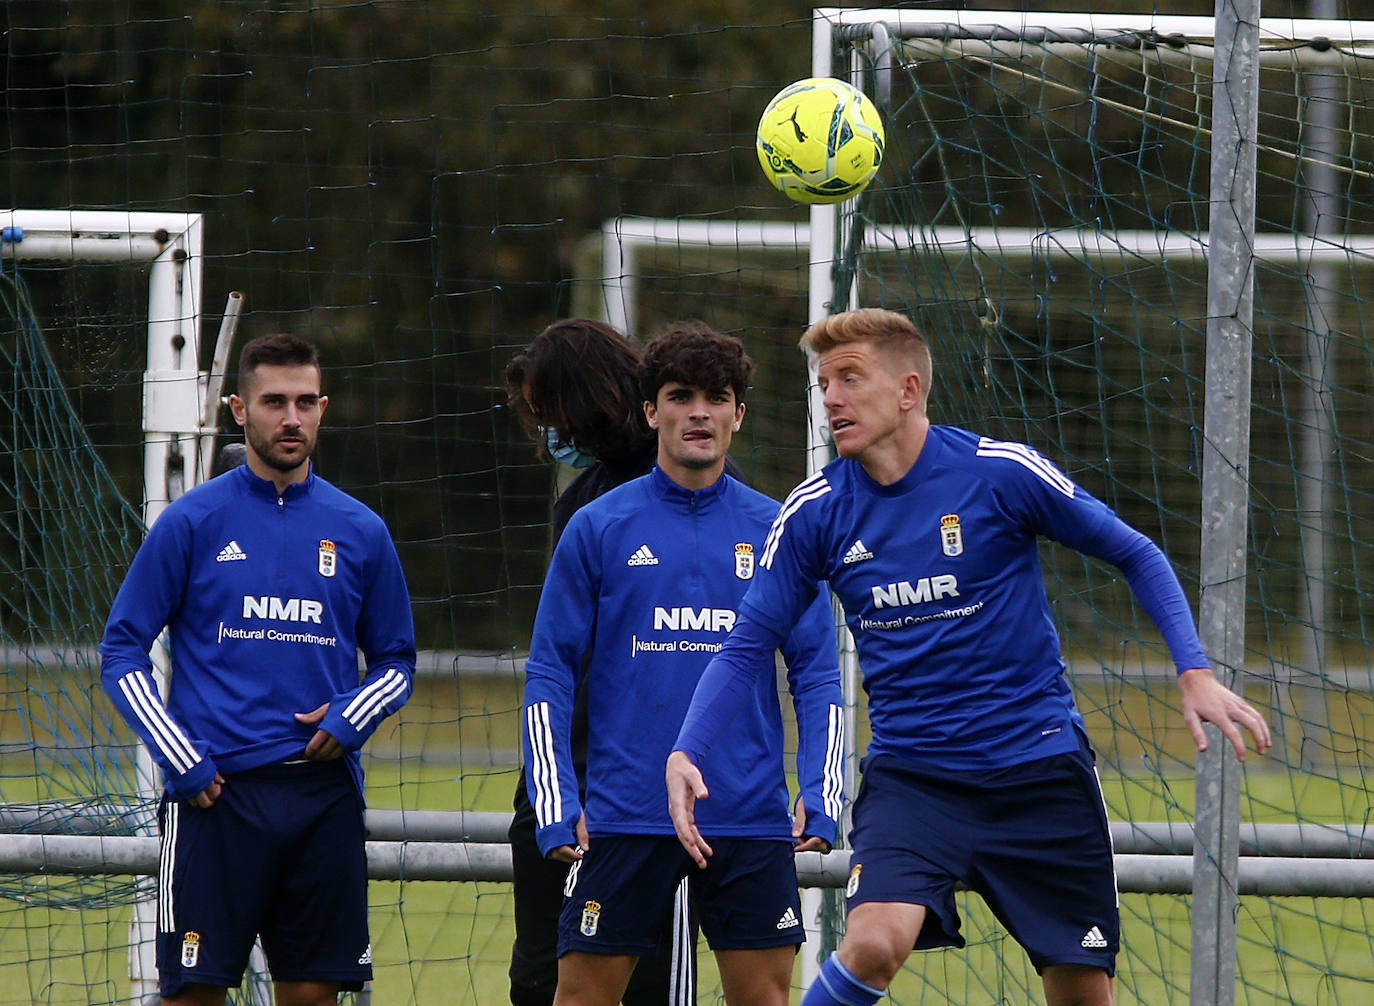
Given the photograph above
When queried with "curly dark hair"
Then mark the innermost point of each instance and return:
(695, 354)
(579, 378)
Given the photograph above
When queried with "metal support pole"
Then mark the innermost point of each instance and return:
(1225, 485)
(1323, 213)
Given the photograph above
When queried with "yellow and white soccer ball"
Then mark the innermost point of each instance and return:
(820, 140)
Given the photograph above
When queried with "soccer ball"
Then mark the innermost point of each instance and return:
(820, 140)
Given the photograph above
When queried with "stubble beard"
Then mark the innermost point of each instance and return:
(271, 455)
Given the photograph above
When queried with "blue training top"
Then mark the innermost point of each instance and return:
(940, 578)
(647, 580)
(268, 599)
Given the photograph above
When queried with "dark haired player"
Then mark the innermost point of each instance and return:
(575, 390)
(979, 770)
(646, 581)
(270, 581)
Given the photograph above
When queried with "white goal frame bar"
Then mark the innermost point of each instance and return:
(171, 244)
(175, 444)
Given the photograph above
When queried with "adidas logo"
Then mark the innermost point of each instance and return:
(858, 552)
(231, 553)
(366, 958)
(789, 920)
(642, 557)
(1093, 939)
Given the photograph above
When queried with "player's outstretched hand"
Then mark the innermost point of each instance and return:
(1207, 700)
(323, 746)
(805, 842)
(685, 788)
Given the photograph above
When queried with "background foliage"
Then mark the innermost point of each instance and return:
(409, 182)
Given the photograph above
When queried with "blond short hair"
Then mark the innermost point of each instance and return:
(893, 333)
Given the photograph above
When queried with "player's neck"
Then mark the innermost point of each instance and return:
(890, 459)
(689, 478)
(278, 478)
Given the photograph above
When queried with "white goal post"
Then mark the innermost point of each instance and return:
(173, 388)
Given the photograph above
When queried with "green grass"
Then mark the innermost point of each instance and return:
(454, 746)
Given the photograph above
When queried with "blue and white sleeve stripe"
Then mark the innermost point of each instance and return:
(159, 729)
(1029, 459)
(833, 772)
(546, 795)
(813, 488)
(373, 701)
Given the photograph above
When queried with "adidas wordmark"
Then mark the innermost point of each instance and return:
(231, 553)
(642, 557)
(1093, 939)
(858, 552)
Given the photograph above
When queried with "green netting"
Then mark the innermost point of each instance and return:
(417, 184)
(66, 534)
(1043, 212)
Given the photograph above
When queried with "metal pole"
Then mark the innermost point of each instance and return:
(1225, 484)
(1322, 206)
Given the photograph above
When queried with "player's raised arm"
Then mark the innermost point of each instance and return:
(1156, 587)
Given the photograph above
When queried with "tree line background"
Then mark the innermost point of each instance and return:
(410, 183)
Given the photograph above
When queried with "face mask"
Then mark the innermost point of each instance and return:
(567, 453)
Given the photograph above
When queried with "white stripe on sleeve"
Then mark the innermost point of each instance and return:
(1030, 460)
(813, 488)
(547, 797)
(833, 779)
(371, 702)
(137, 689)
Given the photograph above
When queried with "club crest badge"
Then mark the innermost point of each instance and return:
(951, 535)
(329, 561)
(591, 918)
(744, 561)
(190, 950)
(852, 888)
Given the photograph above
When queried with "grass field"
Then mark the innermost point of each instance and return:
(449, 942)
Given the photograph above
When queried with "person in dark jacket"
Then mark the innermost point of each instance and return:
(575, 390)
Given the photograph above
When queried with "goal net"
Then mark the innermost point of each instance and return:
(128, 286)
(423, 187)
(1043, 213)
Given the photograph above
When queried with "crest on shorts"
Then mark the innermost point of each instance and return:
(190, 950)
(951, 535)
(591, 918)
(744, 561)
(852, 888)
(328, 557)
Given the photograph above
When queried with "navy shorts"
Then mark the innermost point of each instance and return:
(1032, 840)
(280, 855)
(619, 896)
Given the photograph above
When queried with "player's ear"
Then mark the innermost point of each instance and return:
(911, 390)
(324, 404)
(239, 408)
(651, 415)
(739, 417)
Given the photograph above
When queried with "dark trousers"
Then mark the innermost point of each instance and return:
(534, 957)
